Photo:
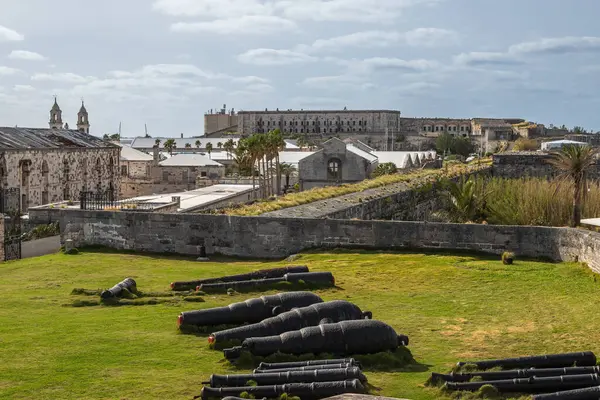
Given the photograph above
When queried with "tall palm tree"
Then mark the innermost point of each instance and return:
(188, 146)
(573, 163)
(278, 144)
(157, 142)
(243, 159)
(220, 145)
(209, 148)
(198, 144)
(229, 146)
(170, 145)
(287, 170)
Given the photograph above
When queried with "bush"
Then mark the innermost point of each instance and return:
(508, 258)
(384, 169)
(525, 145)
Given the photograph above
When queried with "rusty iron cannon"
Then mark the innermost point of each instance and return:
(249, 311)
(512, 374)
(315, 314)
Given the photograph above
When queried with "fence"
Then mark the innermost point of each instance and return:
(107, 200)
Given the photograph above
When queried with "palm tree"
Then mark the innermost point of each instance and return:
(220, 145)
(573, 163)
(278, 143)
(188, 146)
(209, 148)
(229, 146)
(464, 202)
(157, 142)
(170, 145)
(198, 144)
(287, 170)
(243, 159)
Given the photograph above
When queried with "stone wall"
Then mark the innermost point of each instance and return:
(46, 176)
(529, 164)
(1, 237)
(264, 237)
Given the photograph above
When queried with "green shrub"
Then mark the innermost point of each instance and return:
(508, 258)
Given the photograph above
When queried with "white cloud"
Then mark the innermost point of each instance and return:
(313, 10)
(421, 37)
(485, 58)
(430, 37)
(159, 70)
(9, 71)
(331, 80)
(26, 55)
(9, 35)
(23, 88)
(250, 79)
(63, 77)
(247, 24)
(380, 63)
(273, 57)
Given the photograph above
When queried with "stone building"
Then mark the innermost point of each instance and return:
(375, 127)
(135, 171)
(335, 164)
(220, 122)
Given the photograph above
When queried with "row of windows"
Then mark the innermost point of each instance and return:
(314, 130)
(438, 128)
(306, 123)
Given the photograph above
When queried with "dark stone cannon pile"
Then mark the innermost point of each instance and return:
(554, 376)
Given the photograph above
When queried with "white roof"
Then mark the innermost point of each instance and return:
(565, 142)
(293, 157)
(366, 155)
(190, 159)
(147, 143)
(197, 198)
(291, 144)
(400, 158)
(131, 154)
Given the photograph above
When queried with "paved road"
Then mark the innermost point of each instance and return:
(40, 247)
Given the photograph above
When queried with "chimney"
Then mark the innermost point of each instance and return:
(155, 155)
(182, 135)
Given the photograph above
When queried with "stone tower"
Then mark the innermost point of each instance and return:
(83, 123)
(55, 116)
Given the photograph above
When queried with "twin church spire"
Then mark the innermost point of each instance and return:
(83, 122)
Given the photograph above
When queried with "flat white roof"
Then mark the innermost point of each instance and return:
(191, 159)
(196, 198)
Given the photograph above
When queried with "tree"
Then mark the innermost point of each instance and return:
(157, 142)
(209, 148)
(462, 146)
(170, 145)
(243, 159)
(573, 162)
(198, 144)
(444, 142)
(276, 144)
(229, 147)
(287, 170)
(579, 130)
(220, 145)
(188, 146)
(463, 202)
(388, 168)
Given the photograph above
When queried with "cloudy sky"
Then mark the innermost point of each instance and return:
(166, 62)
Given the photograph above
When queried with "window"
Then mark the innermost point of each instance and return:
(165, 176)
(334, 169)
(462, 128)
(203, 174)
(123, 170)
(184, 176)
(66, 193)
(424, 128)
(44, 197)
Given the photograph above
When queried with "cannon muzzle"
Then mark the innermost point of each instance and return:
(261, 274)
(313, 315)
(117, 290)
(346, 337)
(586, 358)
(249, 311)
(306, 391)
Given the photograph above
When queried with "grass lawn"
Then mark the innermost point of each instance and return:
(452, 307)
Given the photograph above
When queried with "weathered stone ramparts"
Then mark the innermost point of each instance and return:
(267, 237)
(515, 165)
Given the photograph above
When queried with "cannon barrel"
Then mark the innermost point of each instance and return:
(117, 290)
(249, 311)
(279, 378)
(308, 368)
(590, 393)
(260, 274)
(346, 337)
(586, 358)
(294, 364)
(306, 391)
(531, 385)
(313, 315)
(512, 374)
(234, 398)
(317, 278)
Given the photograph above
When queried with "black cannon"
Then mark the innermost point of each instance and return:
(117, 290)
(586, 358)
(306, 391)
(512, 374)
(295, 364)
(236, 398)
(313, 315)
(249, 311)
(315, 278)
(590, 393)
(346, 337)
(307, 368)
(531, 385)
(279, 378)
(261, 274)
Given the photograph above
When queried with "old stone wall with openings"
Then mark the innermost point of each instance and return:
(46, 176)
(529, 164)
(267, 237)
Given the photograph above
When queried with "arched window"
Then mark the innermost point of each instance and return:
(66, 169)
(334, 169)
